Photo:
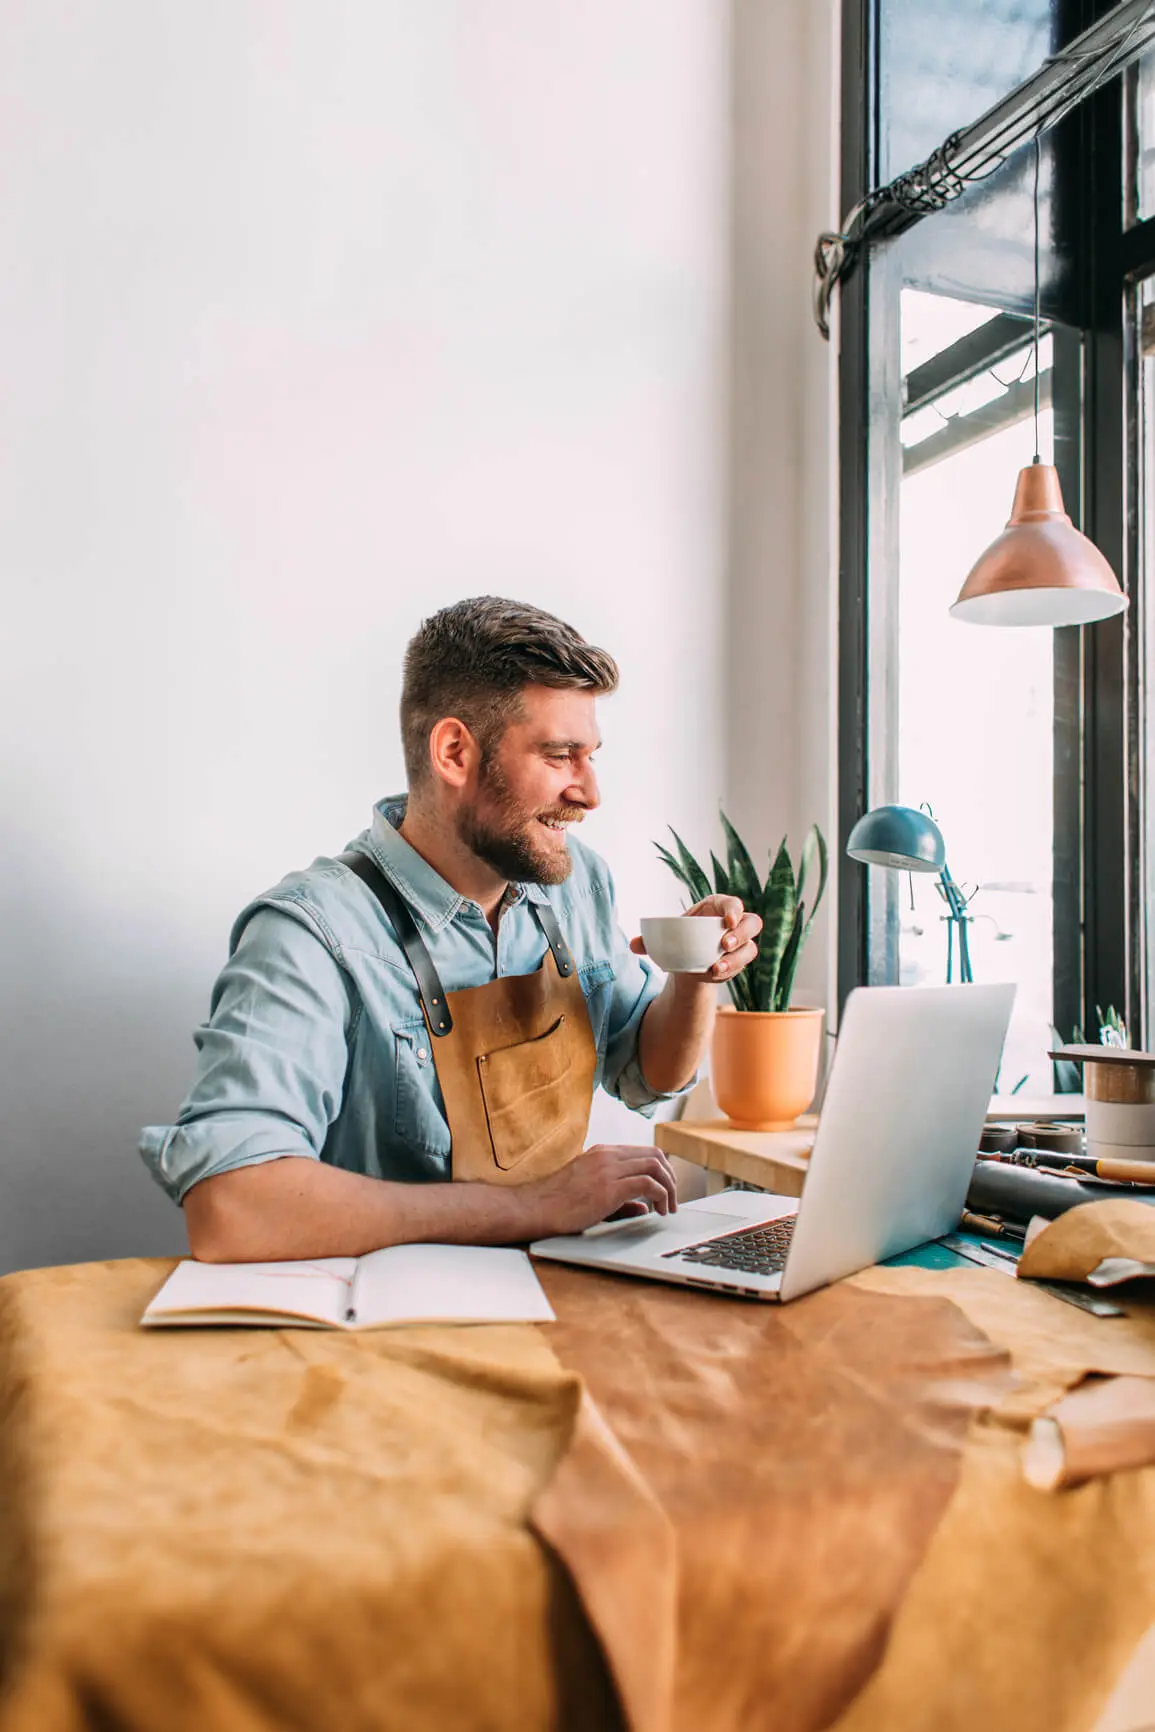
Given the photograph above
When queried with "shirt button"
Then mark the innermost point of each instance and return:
(422, 1054)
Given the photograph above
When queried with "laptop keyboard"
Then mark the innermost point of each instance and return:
(753, 1251)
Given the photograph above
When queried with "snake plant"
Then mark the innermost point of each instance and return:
(786, 919)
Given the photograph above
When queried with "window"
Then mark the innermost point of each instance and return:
(975, 706)
(1033, 747)
(1141, 192)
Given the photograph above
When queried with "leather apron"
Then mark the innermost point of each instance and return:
(515, 1058)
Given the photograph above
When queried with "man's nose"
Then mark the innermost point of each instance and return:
(587, 786)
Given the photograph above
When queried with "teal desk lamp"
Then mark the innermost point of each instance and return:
(910, 841)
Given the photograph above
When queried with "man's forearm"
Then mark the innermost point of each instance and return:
(295, 1207)
(674, 1032)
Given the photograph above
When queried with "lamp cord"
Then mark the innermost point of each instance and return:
(1038, 154)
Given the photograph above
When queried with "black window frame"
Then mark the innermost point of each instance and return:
(1098, 882)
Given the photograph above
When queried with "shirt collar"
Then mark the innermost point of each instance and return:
(429, 894)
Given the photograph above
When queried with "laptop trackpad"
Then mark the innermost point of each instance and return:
(694, 1222)
(751, 1206)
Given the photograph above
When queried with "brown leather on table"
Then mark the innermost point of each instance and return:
(1104, 1426)
(803, 1456)
(1053, 1345)
(1027, 1607)
(1069, 1248)
(242, 1530)
(599, 1514)
(798, 1521)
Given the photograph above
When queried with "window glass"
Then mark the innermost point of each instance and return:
(1141, 199)
(942, 63)
(975, 704)
(931, 323)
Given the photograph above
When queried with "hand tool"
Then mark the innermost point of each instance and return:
(991, 1226)
(1127, 1172)
(999, 1257)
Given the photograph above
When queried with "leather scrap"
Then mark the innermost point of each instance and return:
(1028, 1610)
(803, 1456)
(1073, 1246)
(293, 1530)
(1105, 1426)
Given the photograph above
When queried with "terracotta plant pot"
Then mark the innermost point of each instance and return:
(765, 1067)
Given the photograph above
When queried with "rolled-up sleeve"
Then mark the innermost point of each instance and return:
(271, 1061)
(636, 985)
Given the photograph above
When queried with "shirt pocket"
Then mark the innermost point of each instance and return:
(526, 1093)
(597, 980)
(419, 1120)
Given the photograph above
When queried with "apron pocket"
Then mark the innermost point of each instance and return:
(524, 1089)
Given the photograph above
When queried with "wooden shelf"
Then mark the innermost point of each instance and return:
(777, 1160)
(1016, 1109)
(772, 1160)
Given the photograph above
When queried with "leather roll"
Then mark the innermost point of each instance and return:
(1018, 1193)
(1053, 1138)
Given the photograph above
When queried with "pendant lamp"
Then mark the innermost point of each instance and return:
(1041, 570)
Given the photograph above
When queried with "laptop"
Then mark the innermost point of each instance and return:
(893, 1156)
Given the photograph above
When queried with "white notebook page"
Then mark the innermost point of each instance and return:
(317, 1289)
(448, 1283)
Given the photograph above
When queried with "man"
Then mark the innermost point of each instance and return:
(404, 1042)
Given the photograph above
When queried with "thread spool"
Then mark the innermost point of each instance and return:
(1119, 1089)
(1056, 1139)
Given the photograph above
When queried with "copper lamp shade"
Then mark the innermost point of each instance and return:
(1041, 570)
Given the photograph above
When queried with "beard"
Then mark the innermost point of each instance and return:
(505, 836)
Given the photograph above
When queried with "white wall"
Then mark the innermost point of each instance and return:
(312, 319)
(782, 618)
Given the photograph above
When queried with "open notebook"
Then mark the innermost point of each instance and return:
(401, 1284)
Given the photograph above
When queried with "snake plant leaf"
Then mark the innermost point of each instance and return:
(675, 867)
(790, 956)
(741, 991)
(815, 844)
(722, 884)
(744, 880)
(694, 877)
(777, 910)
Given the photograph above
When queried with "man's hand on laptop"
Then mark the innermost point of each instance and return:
(608, 1181)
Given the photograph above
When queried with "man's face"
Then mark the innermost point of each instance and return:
(538, 781)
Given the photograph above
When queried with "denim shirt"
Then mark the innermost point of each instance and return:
(315, 1043)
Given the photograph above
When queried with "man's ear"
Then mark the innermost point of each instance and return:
(454, 752)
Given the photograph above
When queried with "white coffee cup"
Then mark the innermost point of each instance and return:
(683, 943)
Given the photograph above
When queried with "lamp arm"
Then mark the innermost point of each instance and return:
(957, 904)
(965, 972)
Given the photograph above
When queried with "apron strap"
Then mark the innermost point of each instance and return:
(546, 918)
(433, 999)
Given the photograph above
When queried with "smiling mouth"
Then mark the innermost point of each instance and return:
(557, 825)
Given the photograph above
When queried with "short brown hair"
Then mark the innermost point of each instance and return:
(474, 659)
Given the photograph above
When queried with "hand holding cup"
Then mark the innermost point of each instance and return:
(725, 943)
